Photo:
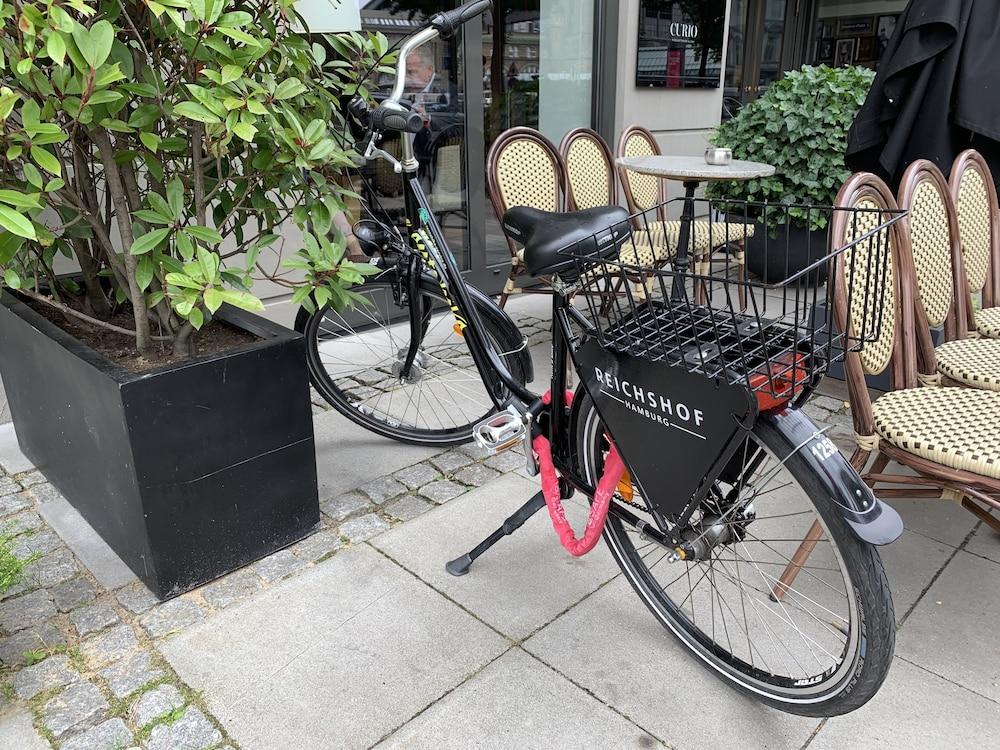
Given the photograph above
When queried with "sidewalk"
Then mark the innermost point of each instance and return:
(357, 637)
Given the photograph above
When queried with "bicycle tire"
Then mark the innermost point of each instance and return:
(498, 328)
(874, 627)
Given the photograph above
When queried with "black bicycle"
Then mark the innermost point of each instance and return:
(705, 479)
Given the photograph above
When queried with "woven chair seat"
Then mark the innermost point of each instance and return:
(972, 362)
(707, 235)
(988, 322)
(955, 427)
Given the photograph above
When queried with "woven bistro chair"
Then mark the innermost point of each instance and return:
(648, 193)
(591, 182)
(941, 276)
(523, 168)
(975, 196)
(947, 436)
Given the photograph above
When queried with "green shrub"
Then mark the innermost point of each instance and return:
(799, 125)
(161, 145)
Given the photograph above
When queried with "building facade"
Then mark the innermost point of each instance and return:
(675, 66)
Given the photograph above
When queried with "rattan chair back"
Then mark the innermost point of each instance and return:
(590, 172)
(642, 191)
(975, 196)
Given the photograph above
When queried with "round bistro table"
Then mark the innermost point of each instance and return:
(692, 171)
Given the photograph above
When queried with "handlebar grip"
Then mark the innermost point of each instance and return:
(383, 118)
(449, 22)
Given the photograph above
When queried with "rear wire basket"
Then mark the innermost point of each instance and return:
(714, 318)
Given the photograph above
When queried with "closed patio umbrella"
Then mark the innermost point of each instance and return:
(937, 91)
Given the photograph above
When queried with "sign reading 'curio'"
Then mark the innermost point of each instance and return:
(680, 43)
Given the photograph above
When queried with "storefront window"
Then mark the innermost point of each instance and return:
(841, 38)
(541, 80)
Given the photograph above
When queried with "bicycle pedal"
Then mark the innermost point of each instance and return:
(500, 431)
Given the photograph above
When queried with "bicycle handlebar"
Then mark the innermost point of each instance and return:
(449, 22)
(391, 114)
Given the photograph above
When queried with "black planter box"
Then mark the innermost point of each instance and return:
(776, 253)
(188, 471)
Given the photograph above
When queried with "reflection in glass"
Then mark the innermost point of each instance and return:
(680, 43)
(537, 71)
(433, 88)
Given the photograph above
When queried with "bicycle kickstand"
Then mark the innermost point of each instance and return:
(460, 565)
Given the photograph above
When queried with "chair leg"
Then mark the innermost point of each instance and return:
(983, 515)
(702, 267)
(508, 288)
(791, 571)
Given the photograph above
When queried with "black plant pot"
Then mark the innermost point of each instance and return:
(188, 471)
(775, 254)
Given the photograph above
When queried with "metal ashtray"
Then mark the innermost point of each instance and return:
(718, 156)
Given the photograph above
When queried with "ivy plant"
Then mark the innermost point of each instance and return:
(800, 126)
(165, 148)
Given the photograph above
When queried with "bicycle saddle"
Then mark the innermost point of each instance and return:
(554, 242)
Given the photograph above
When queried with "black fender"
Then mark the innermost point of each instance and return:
(486, 306)
(869, 518)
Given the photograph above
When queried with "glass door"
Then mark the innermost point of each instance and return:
(763, 39)
(537, 72)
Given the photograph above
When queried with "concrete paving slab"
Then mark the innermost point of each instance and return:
(613, 647)
(942, 520)
(910, 563)
(953, 630)
(348, 456)
(339, 656)
(109, 569)
(17, 731)
(985, 542)
(519, 702)
(520, 584)
(11, 459)
(916, 710)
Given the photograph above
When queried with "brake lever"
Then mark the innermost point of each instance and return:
(374, 152)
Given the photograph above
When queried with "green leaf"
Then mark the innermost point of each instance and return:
(148, 241)
(239, 36)
(150, 141)
(236, 18)
(209, 263)
(19, 200)
(9, 245)
(144, 272)
(195, 111)
(204, 234)
(196, 318)
(244, 130)
(288, 88)
(45, 160)
(213, 299)
(151, 217)
(102, 36)
(185, 246)
(175, 197)
(16, 223)
(32, 175)
(104, 97)
(243, 300)
(57, 183)
(231, 73)
(183, 280)
(11, 279)
(55, 46)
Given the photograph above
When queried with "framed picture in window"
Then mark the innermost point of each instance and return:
(866, 48)
(845, 52)
(824, 50)
(856, 25)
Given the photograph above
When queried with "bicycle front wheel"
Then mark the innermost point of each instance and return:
(355, 357)
(820, 648)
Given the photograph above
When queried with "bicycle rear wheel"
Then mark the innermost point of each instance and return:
(355, 356)
(825, 647)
